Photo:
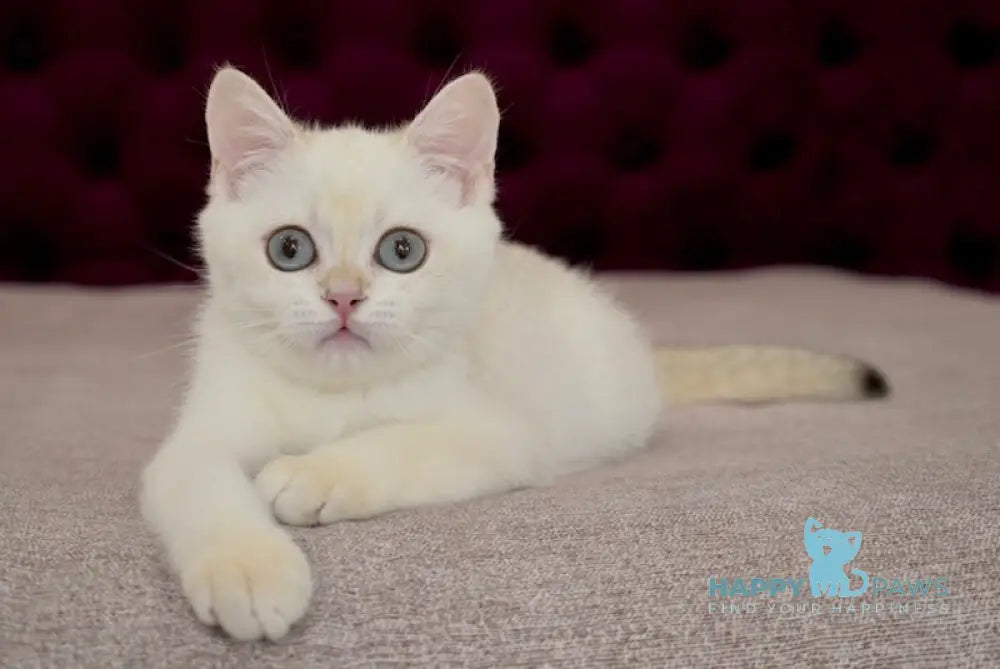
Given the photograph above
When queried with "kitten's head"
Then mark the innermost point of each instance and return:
(839, 547)
(345, 253)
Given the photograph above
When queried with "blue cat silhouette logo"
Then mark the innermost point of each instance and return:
(830, 551)
(830, 581)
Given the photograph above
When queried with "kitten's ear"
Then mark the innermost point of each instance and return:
(246, 128)
(456, 136)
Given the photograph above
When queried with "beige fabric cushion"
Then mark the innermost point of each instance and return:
(607, 567)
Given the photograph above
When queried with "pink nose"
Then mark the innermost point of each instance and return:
(345, 303)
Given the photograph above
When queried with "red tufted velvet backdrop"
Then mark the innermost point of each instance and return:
(691, 134)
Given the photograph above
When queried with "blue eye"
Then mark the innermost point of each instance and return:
(401, 250)
(291, 249)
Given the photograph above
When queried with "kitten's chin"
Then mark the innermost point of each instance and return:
(341, 359)
(333, 363)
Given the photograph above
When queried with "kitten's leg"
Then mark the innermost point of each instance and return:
(238, 569)
(398, 466)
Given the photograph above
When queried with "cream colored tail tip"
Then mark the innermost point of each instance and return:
(749, 374)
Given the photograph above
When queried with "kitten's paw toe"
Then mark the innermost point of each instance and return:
(307, 490)
(252, 584)
(293, 489)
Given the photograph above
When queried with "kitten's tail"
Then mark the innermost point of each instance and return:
(863, 575)
(753, 374)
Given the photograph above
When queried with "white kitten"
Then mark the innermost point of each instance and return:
(369, 343)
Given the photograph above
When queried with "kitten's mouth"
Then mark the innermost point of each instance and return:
(344, 337)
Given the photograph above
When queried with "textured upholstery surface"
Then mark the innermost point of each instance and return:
(638, 134)
(608, 568)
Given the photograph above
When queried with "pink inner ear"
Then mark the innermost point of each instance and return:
(246, 128)
(456, 133)
(466, 179)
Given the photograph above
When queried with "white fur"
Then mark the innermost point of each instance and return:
(490, 367)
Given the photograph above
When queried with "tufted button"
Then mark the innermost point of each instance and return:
(911, 147)
(634, 149)
(838, 44)
(29, 251)
(704, 47)
(568, 205)
(293, 32)
(569, 43)
(972, 45)
(514, 151)
(771, 151)
(974, 254)
(161, 38)
(99, 153)
(436, 41)
(94, 95)
(166, 51)
(34, 201)
(843, 249)
(25, 47)
(702, 250)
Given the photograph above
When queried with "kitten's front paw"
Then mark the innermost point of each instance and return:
(317, 489)
(253, 584)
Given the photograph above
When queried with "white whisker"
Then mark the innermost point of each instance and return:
(192, 341)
